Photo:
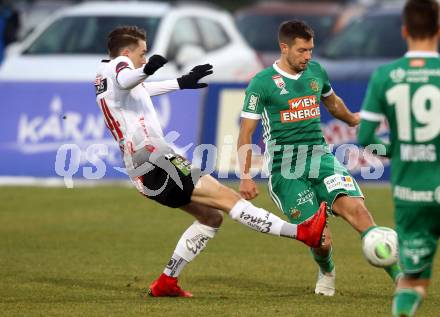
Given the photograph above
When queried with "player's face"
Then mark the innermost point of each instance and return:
(298, 54)
(137, 54)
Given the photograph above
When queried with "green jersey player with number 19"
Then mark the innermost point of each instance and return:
(303, 171)
(406, 93)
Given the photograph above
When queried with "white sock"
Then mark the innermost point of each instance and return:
(261, 220)
(175, 265)
(192, 242)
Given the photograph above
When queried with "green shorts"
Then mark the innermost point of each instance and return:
(299, 198)
(418, 228)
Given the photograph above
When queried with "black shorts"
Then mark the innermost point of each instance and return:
(165, 185)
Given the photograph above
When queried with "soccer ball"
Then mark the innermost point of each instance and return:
(380, 247)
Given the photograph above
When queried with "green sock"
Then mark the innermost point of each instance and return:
(405, 302)
(394, 271)
(325, 263)
(363, 234)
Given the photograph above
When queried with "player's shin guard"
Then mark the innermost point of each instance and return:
(261, 220)
(405, 302)
(192, 242)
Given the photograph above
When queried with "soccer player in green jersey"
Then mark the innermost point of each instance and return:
(303, 171)
(406, 93)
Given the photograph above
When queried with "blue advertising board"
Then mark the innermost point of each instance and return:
(38, 119)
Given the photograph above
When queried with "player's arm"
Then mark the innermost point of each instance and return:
(129, 78)
(372, 114)
(367, 133)
(251, 113)
(248, 189)
(187, 81)
(336, 106)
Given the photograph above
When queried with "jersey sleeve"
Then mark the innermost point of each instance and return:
(254, 101)
(125, 74)
(327, 89)
(155, 88)
(372, 107)
(120, 63)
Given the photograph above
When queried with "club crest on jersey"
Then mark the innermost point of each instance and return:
(279, 81)
(314, 85)
(295, 213)
(302, 108)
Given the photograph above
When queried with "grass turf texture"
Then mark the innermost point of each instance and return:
(91, 251)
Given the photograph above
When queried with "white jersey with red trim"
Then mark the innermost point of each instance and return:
(124, 99)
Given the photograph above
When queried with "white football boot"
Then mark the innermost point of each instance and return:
(326, 283)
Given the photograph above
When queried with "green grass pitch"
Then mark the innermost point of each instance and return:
(91, 251)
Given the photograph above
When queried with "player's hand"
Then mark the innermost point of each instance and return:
(355, 119)
(154, 63)
(191, 80)
(248, 189)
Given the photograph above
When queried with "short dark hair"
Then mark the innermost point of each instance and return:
(421, 18)
(290, 30)
(122, 37)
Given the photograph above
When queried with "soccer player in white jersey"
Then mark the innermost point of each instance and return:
(161, 174)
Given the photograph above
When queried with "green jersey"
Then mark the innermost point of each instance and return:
(407, 93)
(289, 108)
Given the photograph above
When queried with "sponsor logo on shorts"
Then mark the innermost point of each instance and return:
(305, 196)
(339, 182)
(303, 108)
(416, 249)
(182, 164)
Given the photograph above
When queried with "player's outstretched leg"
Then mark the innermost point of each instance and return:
(354, 211)
(191, 243)
(211, 193)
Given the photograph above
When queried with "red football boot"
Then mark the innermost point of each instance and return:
(311, 231)
(167, 286)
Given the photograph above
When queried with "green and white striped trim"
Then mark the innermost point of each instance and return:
(266, 126)
(274, 196)
(372, 116)
(250, 115)
(328, 93)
